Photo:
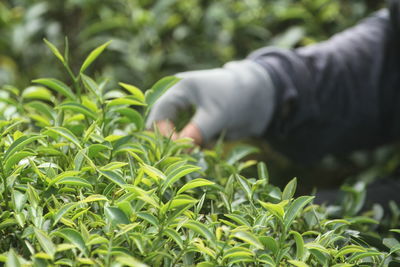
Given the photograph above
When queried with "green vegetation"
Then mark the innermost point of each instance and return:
(83, 183)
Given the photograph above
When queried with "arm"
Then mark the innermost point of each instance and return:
(334, 98)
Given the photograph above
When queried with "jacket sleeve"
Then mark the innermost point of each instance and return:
(333, 97)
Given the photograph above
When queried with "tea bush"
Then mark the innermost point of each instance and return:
(83, 183)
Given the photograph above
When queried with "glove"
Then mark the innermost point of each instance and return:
(237, 98)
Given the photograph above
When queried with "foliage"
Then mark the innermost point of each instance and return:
(84, 184)
(158, 38)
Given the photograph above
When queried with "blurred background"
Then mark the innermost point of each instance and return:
(152, 39)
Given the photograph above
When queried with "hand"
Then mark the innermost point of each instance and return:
(238, 98)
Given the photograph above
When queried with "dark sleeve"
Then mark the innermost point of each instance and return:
(338, 95)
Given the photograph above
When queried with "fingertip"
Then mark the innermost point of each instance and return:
(192, 131)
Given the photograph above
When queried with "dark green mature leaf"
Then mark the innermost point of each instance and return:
(299, 244)
(57, 86)
(74, 237)
(295, 207)
(116, 216)
(113, 177)
(45, 242)
(200, 229)
(134, 116)
(93, 55)
(15, 158)
(19, 144)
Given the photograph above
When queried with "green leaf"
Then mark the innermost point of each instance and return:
(357, 256)
(289, 190)
(57, 86)
(19, 200)
(45, 242)
(19, 144)
(158, 89)
(349, 250)
(113, 177)
(92, 86)
(116, 216)
(15, 158)
(37, 92)
(237, 252)
(275, 209)
(76, 107)
(74, 237)
(62, 211)
(194, 184)
(55, 51)
(75, 181)
(177, 174)
(298, 263)
(199, 228)
(178, 201)
(244, 185)
(295, 207)
(134, 116)
(239, 152)
(127, 260)
(12, 259)
(113, 166)
(127, 100)
(299, 244)
(174, 236)
(153, 172)
(249, 238)
(149, 218)
(67, 134)
(93, 198)
(93, 55)
(262, 172)
(136, 92)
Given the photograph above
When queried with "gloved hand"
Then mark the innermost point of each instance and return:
(238, 98)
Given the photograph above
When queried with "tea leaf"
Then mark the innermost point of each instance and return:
(93, 55)
(15, 158)
(116, 216)
(113, 177)
(289, 190)
(57, 86)
(67, 134)
(194, 184)
(74, 237)
(159, 89)
(19, 144)
(295, 207)
(62, 211)
(298, 263)
(54, 50)
(299, 244)
(75, 181)
(136, 92)
(249, 238)
(199, 229)
(45, 242)
(76, 107)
